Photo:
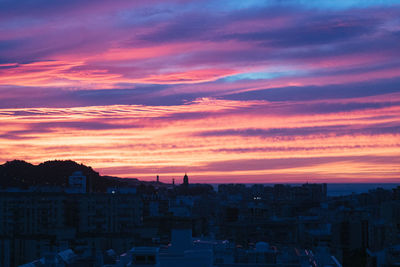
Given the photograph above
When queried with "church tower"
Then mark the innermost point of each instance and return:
(185, 180)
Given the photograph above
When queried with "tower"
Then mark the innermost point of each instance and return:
(185, 180)
(158, 179)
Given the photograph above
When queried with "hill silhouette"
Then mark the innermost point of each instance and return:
(18, 173)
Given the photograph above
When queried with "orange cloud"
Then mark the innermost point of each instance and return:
(140, 141)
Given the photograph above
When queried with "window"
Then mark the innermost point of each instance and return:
(140, 259)
(151, 259)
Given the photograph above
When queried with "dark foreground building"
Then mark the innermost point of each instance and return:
(165, 225)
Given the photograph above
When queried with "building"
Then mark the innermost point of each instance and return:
(76, 183)
(33, 224)
(186, 180)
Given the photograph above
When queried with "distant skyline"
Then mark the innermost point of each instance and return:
(227, 91)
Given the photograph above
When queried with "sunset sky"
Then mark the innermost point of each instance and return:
(225, 90)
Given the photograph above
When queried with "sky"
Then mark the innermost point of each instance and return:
(225, 90)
